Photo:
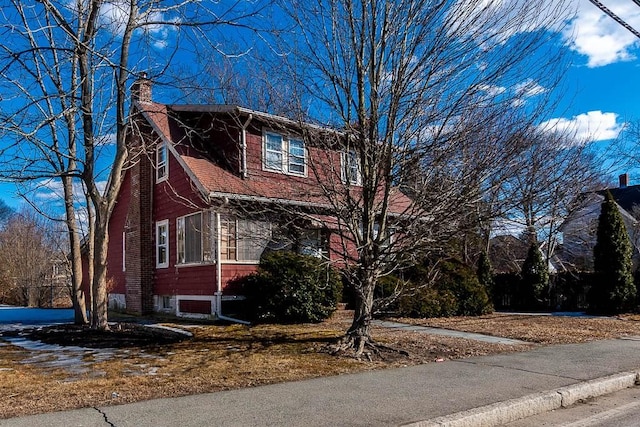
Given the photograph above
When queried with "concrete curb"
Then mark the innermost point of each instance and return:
(514, 409)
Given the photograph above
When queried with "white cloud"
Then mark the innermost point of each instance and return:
(594, 34)
(525, 90)
(529, 88)
(586, 127)
(115, 14)
(493, 90)
(491, 21)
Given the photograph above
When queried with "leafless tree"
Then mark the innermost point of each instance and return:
(65, 75)
(31, 261)
(422, 93)
(548, 185)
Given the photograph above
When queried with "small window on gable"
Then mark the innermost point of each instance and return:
(162, 163)
(284, 154)
(162, 244)
(350, 168)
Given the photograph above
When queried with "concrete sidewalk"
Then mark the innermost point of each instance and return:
(389, 397)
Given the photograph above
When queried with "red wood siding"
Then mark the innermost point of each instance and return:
(196, 307)
(172, 199)
(116, 228)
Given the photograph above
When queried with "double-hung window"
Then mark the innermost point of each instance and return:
(312, 242)
(162, 163)
(350, 168)
(284, 154)
(194, 238)
(162, 244)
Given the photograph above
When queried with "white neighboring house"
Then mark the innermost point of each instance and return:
(579, 230)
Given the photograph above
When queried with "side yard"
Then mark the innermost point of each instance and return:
(48, 378)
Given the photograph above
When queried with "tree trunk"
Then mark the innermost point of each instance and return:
(359, 334)
(77, 294)
(100, 295)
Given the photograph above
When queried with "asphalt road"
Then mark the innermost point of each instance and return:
(620, 409)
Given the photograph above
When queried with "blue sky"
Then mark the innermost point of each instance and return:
(602, 83)
(601, 86)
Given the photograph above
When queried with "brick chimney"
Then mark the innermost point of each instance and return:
(624, 180)
(141, 89)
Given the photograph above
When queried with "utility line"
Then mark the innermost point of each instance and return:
(616, 18)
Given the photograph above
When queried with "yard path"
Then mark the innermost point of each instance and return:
(448, 333)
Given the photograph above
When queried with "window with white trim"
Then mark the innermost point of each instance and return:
(350, 168)
(243, 240)
(284, 154)
(162, 244)
(194, 238)
(312, 242)
(162, 163)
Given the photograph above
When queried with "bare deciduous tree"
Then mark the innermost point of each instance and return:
(548, 184)
(423, 93)
(31, 260)
(65, 73)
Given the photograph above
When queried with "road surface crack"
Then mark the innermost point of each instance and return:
(104, 415)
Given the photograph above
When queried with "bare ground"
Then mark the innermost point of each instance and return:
(235, 356)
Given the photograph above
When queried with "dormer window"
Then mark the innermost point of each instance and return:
(284, 154)
(162, 164)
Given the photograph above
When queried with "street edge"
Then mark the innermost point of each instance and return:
(514, 409)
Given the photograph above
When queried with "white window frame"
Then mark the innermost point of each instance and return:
(318, 248)
(159, 225)
(347, 166)
(206, 242)
(162, 162)
(238, 240)
(287, 158)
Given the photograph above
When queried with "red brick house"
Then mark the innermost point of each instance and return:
(209, 189)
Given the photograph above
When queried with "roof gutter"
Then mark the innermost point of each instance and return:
(243, 144)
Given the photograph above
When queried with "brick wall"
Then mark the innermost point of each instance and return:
(139, 228)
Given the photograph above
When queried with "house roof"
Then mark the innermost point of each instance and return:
(628, 198)
(216, 181)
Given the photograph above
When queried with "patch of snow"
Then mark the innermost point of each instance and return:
(169, 328)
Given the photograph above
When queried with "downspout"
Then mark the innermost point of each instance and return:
(243, 144)
(218, 293)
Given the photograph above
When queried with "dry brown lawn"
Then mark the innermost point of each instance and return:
(539, 329)
(228, 357)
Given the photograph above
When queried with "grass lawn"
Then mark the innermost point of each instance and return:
(236, 356)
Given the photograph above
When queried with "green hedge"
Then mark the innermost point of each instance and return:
(291, 288)
(456, 292)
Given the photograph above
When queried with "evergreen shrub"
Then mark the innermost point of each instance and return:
(291, 288)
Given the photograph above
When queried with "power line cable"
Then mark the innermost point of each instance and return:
(615, 17)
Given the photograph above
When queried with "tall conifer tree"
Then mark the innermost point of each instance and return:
(535, 278)
(613, 289)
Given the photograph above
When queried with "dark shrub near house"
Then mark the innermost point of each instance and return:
(453, 291)
(569, 290)
(291, 288)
